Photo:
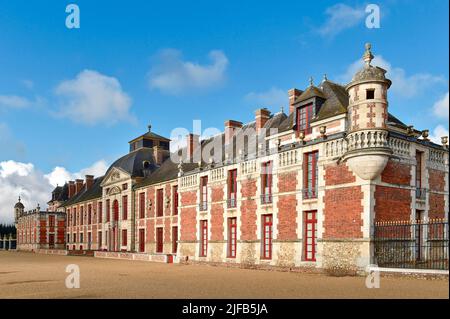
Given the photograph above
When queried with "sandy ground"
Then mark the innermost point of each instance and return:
(28, 275)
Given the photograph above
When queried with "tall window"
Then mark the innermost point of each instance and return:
(175, 199)
(141, 205)
(81, 215)
(100, 240)
(304, 116)
(125, 207)
(310, 175)
(266, 183)
(204, 193)
(89, 214)
(420, 193)
(108, 208)
(124, 237)
(74, 216)
(203, 238)
(160, 202)
(266, 237)
(51, 221)
(232, 237)
(174, 239)
(232, 188)
(100, 212)
(159, 240)
(69, 217)
(141, 240)
(310, 234)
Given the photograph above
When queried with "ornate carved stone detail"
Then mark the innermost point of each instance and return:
(371, 115)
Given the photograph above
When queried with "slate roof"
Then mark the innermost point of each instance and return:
(132, 163)
(95, 191)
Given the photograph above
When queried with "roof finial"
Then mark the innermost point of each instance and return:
(282, 109)
(149, 126)
(368, 56)
(325, 78)
(19, 198)
(311, 81)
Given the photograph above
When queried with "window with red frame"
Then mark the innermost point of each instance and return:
(174, 239)
(232, 237)
(89, 214)
(125, 207)
(74, 216)
(267, 236)
(304, 116)
(203, 238)
(159, 240)
(99, 240)
(69, 218)
(266, 180)
(141, 205)
(124, 237)
(159, 202)
(310, 234)
(175, 200)
(310, 175)
(51, 221)
(232, 188)
(100, 212)
(108, 208)
(418, 169)
(204, 193)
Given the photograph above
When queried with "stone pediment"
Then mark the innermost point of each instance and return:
(114, 176)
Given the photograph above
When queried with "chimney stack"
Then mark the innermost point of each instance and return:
(89, 181)
(293, 95)
(230, 128)
(71, 188)
(78, 185)
(261, 117)
(193, 141)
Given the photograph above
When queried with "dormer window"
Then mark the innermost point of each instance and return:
(370, 94)
(146, 164)
(304, 116)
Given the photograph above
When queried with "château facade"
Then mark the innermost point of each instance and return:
(302, 189)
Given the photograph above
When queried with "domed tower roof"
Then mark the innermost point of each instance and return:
(370, 73)
(19, 205)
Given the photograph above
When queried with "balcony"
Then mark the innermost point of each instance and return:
(309, 193)
(203, 206)
(231, 202)
(421, 193)
(266, 199)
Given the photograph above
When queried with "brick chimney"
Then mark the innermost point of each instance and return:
(78, 185)
(261, 117)
(71, 188)
(193, 141)
(230, 128)
(89, 181)
(293, 95)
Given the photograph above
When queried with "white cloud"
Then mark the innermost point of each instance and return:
(441, 107)
(33, 186)
(59, 175)
(9, 143)
(403, 85)
(340, 18)
(173, 75)
(14, 101)
(274, 97)
(437, 133)
(93, 98)
(28, 84)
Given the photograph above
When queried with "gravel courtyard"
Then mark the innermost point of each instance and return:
(28, 275)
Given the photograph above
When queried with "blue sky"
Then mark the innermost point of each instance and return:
(171, 62)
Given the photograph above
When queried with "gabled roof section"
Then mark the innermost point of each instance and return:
(336, 101)
(95, 191)
(310, 92)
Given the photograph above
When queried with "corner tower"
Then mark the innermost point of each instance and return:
(368, 150)
(18, 211)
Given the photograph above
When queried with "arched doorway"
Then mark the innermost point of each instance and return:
(114, 233)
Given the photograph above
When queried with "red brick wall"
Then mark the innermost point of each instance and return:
(248, 210)
(437, 205)
(150, 212)
(188, 221)
(338, 174)
(217, 212)
(396, 173)
(287, 182)
(43, 232)
(342, 212)
(392, 203)
(287, 214)
(436, 180)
